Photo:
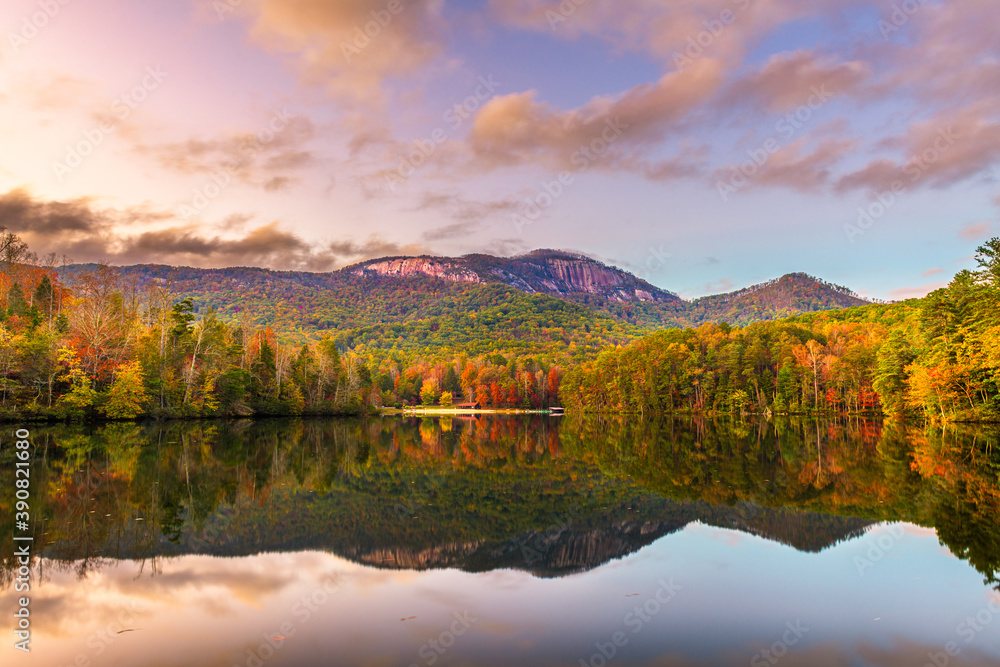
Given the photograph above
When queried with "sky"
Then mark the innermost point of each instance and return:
(704, 145)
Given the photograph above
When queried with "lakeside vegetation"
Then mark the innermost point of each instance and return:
(105, 344)
(936, 357)
(107, 347)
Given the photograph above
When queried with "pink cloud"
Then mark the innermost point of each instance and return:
(662, 30)
(518, 129)
(791, 80)
(931, 272)
(975, 232)
(791, 167)
(942, 151)
(915, 292)
(351, 46)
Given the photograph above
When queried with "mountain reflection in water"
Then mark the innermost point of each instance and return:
(545, 497)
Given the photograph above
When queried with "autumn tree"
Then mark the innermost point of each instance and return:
(127, 397)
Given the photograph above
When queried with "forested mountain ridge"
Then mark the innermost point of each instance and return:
(554, 272)
(381, 293)
(124, 343)
(938, 356)
(791, 294)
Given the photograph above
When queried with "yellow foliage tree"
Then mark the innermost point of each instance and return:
(128, 397)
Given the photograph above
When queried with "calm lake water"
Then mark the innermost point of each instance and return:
(509, 541)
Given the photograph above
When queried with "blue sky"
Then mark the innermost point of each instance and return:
(279, 134)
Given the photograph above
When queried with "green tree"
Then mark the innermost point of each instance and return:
(451, 383)
(892, 361)
(44, 297)
(16, 303)
(988, 257)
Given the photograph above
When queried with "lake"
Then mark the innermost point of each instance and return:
(508, 540)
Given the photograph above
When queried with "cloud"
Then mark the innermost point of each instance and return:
(468, 213)
(518, 129)
(62, 226)
(931, 272)
(975, 232)
(86, 233)
(57, 92)
(264, 157)
(790, 167)
(964, 68)
(662, 30)
(266, 245)
(915, 292)
(351, 46)
(375, 246)
(791, 80)
(947, 149)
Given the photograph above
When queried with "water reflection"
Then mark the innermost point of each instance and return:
(768, 522)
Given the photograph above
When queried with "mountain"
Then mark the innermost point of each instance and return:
(550, 302)
(553, 272)
(583, 280)
(792, 294)
(289, 522)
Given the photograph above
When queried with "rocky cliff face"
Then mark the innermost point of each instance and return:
(543, 553)
(411, 266)
(447, 555)
(547, 272)
(584, 276)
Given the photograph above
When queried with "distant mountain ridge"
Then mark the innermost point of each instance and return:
(546, 301)
(587, 542)
(615, 292)
(554, 272)
(788, 295)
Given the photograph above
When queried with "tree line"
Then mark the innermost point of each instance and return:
(104, 344)
(107, 347)
(937, 357)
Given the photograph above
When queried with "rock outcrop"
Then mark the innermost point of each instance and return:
(402, 267)
(552, 272)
